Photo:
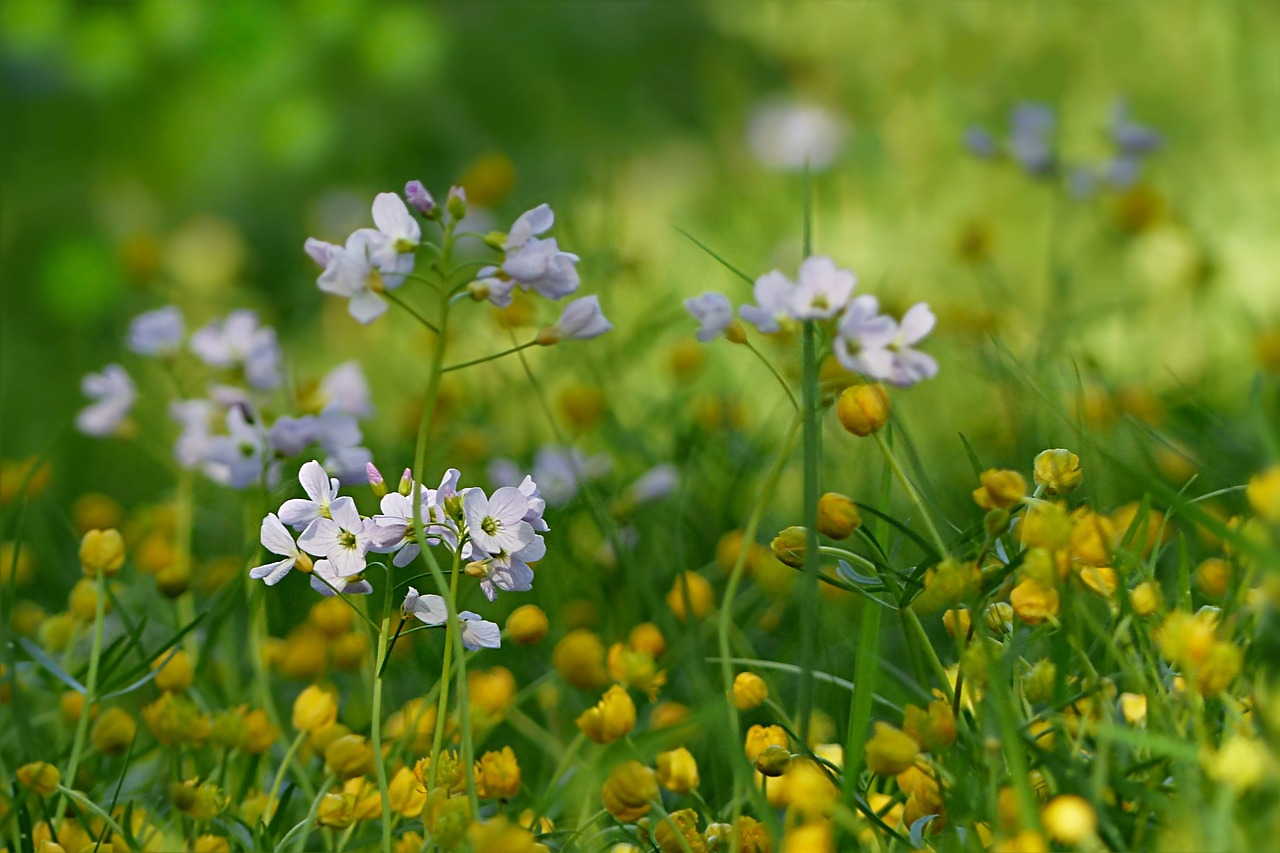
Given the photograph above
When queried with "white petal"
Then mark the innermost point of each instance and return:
(275, 538)
(315, 482)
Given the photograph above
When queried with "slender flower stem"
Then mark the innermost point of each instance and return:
(284, 768)
(812, 559)
(306, 822)
(89, 804)
(493, 357)
(464, 706)
(776, 375)
(391, 296)
(82, 727)
(379, 761)
(442, 709)
(912, 494)
(182, 536)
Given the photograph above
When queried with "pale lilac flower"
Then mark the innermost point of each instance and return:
(353, 275)
(393, 245)
(238, 340)
(1031, 141)
(196, 418)
(790, 136)
(395, 532)
(537, 505)
(278, 540)
(910, 365)
(157, 332)
(321, 252)
(1131, 137)
(714, 313)
(655, 484)
(343, 538)
(492, 286)
(863, 338)
(325, 578)
(504, 472)
(419, 198)
(237, 457)
(580, 320)
(539, 263)
(479, 633)
(113, 393)
(496, 524)
(560, 471)
(429, 609)
(823, 289)
(509, 572)
(346, 389)
(290, 436)
(775, 303)
(321, 491)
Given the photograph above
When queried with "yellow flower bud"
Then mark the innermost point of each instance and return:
(890, 751)
(579, 658)
(635, 669)
(1213, 576)
(837, 516)
(999, 616)
(1220, 668)
(1092, 538)
(1263, 493)
(613, 717)
(175, 671)
(27, 616)
(957, 622)
(71, 703)
(1134, 708)
(1000, 489)
(1242, 763)
(349, 756)
(1037, 685)
(259, 733)
(200, 800)
(314, 709)
(1058, 471)
(809, 838)
(629, 791)
(667, 714)
(113, 732)
(211, 844)
(759, 738)
(791, 546)
(1069, 819)
(773, 761)
(498, 835)
(336, 811)
(406, 796)
(333, 616)
(1100, 579)
(749, 691)
(1034, 602)
(102, 551)
(527, 625)
(83, 601)
(863, 409)
(933, 728)
(175, 719)
(491, 690)
(350, 651)
(40, 776)
(318, 741)
(647, 637)
(1145, 598)
(1047, 526)
(677, 770)
(498, 775)
(678, 833)
(698, 591)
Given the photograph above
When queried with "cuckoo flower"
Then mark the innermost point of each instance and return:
(429, 609)
(580, 320)
(157, 332)
(823, 290)
(351, 273)
(278, 540)
(328, 581)
(344, 538)
(322, 491)
(714, 313)
(113, 393)
(538, 263)
(775, 303)
(496, 524)
(478, 633)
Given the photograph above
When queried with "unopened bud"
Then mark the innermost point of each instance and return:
(456, 203)
(863, 409)
(790, 546)
(837, 516)
(496, 240)
(376, 483)
(735, 333)
(996, 522)
(773, 761)
(477, 569)
(406, 483)
(420, 200)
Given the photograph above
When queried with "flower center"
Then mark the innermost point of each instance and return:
(489, 525)
(373, 280)
(347, 539)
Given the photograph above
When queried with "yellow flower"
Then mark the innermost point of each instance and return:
(1000, 489)
(667, 714)
(863, 409)
(406, 795)
(1069, 819)
(1145, 598)
(809, 790)
(1093, 537)
(809, 838)
(759, 738)
(200, 800)
(1046, 525)
(613, 717)
(678, 833)
(527, 625)
(791, 546)
(1221, 666)
(333, 616)
(1057, 471)
(1263, 493)
(647, 637)
(336, 811)
(1213, 576)
(450, 776)
(579, 658)
(749, 691)
(1134, 708)
(934, 728)
(890, 751)
(314, 709)
(1100, 579)
(417, 716)
(350, 650)
(83, 601)
(211, 844)
(498, 835)
(368, 800)
(40, 776)
(113, 732)
(175, 719)
(837, 516)
(349, 756)
(175, 671)
(677, 770)
(629, 791)
(1242, 763)
(957, 622)
(698, 591)
(497, 775)
(102, 552)
(1033, 601)
(491, 691)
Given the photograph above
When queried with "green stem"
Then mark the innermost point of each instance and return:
(442, 709)
(411, 310)
(182, 535)
(776, 375)
(284, 767)
(912, 494)
(89, 804)
(82, 727)
(832, 551)
(464, 706)
(379, 761)
(494, 357)
(311, 814)
(864, 685)
(811, 601)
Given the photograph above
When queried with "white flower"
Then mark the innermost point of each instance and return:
(156, 332)
(775, 303)
(874, 345)
(346, 390)
(910, 365)
(537, 505)
(492, 286)
(395, 532)
(348, 464)
(655, 484)
(192, 445)
(823, 290)
(276, 539)
(290, 436)
(325, 578)
(478, 633)
(351, 273)
(236, 457)
(239, 340)
(510, 572)
(714, 313)
(393, 245)
(789, 135)
(430, 609)
(343, 538)
(536, 263)
(113, 393)
(321, 490)
(580, 320)
(496, 524)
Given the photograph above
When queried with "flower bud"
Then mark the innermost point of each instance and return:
(405, 795)
(336, 811)
(890, 751)
(498, 775)
(957, 622)
(863, 409)
(1033, 601)
(456, 203)
(579, 658)
(349, 756)
(1037, 685)
(696, 589)
(1000, 489)
(760, 738)
(995, 523)
(102, 551)
(837, 516)
(1145, 598)
(791, 546)
(420, 200)
(376, 483)
(113, 732)
(476, 569)
(333, 616)
(647, 637)
(749, 691)
(613, 717)
(527, 625)
(678, 832)
(83, 601)
(677, 770)
(1213, 576)
(405, 486)
(1057, 471)
(735, 333)
(629, 791)
(1069, 819)
(40, 776)
(1000, 617)
(933, 728)
(174, 671)
(314, 709)
(773, 761)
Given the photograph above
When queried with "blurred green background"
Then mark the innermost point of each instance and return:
(172, 151)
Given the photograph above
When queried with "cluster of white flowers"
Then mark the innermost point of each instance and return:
(497, 535)
(373, 261)
(865, 340)
(231, 433)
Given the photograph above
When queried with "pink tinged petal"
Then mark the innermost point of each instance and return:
(275, 538)
(315, 482)
(916, 323)
(345, 515)
(321, 252)
(272, 573)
